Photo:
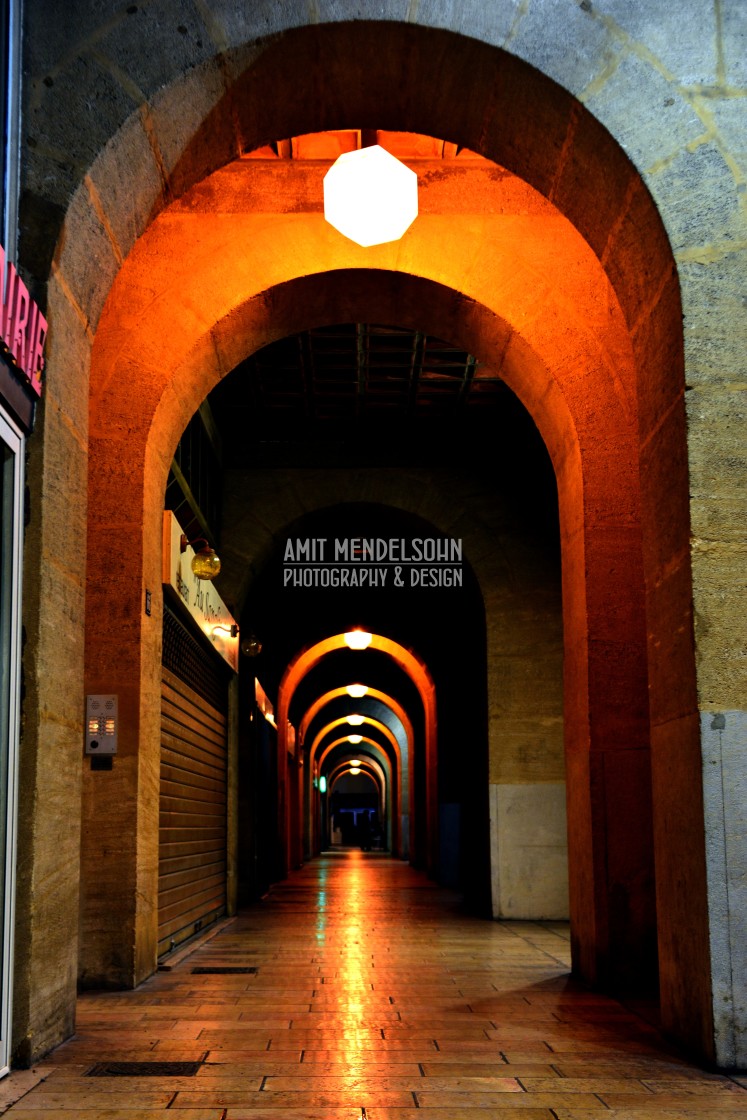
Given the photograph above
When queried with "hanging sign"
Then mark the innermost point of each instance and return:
(23, 328)
(198, 596)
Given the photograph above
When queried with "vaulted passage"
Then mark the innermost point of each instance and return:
(359, 988)
(487, 420)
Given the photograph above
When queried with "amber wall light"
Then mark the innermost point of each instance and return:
(205, 562)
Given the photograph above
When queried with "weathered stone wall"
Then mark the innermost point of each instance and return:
(110, 120)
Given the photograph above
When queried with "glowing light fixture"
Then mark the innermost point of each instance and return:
(354, 770)
(370, 197)
(356, 690)
(355, 720)
(355, 762)
(358, 639)
(251, 646)
(322, 784)
(355, 738)
(205, 562)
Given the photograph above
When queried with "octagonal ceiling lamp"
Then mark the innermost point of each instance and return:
(356, 690)
(355, 738)
(355, 719)
(370, 197)
(358, 639)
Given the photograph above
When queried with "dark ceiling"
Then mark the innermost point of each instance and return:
(357, 395)
(353, 394)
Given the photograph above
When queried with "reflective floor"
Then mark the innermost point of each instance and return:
(374, 997)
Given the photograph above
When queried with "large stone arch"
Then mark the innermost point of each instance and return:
(103, 218)
(131, 450)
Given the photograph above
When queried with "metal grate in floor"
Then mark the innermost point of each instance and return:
(144, 1069)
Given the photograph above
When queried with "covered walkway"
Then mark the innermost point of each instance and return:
(359, 989)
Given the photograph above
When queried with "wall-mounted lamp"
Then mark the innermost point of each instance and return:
(205, 562)
(358, 639)
(356, 690)
(322, 784)
(233, 629)
(251, 646)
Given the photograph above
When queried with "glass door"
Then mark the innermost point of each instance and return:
(11, 527)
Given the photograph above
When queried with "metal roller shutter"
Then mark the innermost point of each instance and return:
(192, 842)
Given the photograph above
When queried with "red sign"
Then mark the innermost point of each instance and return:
(23, 328)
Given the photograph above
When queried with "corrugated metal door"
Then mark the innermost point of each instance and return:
(192, 855)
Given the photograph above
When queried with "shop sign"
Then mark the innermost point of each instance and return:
(197, 596)
(23, 328)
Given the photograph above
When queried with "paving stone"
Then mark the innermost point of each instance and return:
(309, 1038)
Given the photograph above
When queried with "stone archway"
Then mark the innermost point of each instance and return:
(644, 281)
(164, 404)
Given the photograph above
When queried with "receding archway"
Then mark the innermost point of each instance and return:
(404, 747)
(325, 742)
(418, 672)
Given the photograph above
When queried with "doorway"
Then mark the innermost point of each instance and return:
(11, 528)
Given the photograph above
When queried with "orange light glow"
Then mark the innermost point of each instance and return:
(374, 693)
(322, 734)
(376, 748)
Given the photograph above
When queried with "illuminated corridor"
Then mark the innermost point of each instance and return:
(358, 988)
(372, 613)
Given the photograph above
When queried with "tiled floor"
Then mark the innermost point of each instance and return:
(374, 997)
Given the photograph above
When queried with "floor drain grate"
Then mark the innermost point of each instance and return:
(223, 970)
(144, 1069)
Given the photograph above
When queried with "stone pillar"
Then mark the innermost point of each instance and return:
(613, 912)
(119, 849)
(46, 927)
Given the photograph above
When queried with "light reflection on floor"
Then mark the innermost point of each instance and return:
(374, 992)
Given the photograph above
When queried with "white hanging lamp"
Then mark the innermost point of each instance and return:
(370, 196)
